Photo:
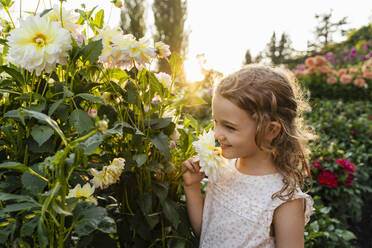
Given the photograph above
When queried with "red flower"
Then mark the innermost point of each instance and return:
(328, 178)
(349, 180)
(317, 164)
(344, 163)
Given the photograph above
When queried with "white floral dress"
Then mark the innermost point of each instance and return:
(238, 209)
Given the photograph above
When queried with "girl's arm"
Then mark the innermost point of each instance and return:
(195, 203)
(289, 224)
(191, 185)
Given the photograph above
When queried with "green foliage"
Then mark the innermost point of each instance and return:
(343, 132)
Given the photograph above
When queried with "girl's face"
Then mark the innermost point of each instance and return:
(234, 129)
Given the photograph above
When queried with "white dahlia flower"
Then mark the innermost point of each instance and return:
(109, 174)
(68, 18)
(164, 78)
(86, 191)
(210, 159)
(162, 50)
(38, 44)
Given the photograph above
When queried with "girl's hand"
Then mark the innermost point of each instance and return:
(192, 175)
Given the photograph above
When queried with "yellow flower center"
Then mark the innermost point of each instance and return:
(40, 40)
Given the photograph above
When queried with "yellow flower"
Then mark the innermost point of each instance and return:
(38, 44)
(86, 191)
(162, 50)
(109, 174)
(210, 157)
(68, 18)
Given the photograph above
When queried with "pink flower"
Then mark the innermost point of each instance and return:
(328, 178)
(310, 62)
(360, 82)
(349, 180)
(353, 70)
(317, 164)
(320, 61)
(92, 113)
(342, 72)
(345, 79)
(367, 69)
(332, 80)
(344, 163)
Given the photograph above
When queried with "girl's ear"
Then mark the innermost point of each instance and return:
(274, 130)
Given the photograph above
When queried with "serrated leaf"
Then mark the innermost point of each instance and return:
(99, 19)
(87, 218)
(92, 51)
(92, 143)
(41, 133)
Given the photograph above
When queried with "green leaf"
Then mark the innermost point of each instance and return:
(170, 212)
(99, 19)
(56, 207)
(13, 166)
(92, 51)
(41, 133)
(81, 121)
(107, 225)
(87, 218)
(18, 198)
(32, 182)
(28, 228)
(46, 11)
(160, 141)
(47, 119)
(161, 190)
(91, 98)
(18, 207)
(8, 230)
(15, 114)
(16, 75)
(152, 220)
(42, 233)
(92, 143)
(54, 107)
(118, 128)
(140, 159)
(144, 201)
(159, 123)
(175, 63)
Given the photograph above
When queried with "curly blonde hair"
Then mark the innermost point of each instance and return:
(272, 94)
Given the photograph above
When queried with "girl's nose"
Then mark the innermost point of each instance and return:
(217, 133)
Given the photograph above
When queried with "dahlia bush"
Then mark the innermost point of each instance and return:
(90, 137)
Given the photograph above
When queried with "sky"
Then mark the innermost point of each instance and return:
(223, 30)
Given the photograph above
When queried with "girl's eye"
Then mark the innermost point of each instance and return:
(231, 128)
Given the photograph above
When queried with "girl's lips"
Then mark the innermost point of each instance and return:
(225, 146)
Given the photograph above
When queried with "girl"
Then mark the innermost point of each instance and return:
(257, 201)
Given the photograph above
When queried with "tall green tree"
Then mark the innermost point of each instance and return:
(247, 58)
(325, 30)
(170, 17)
(279, 51)
(132, 18)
